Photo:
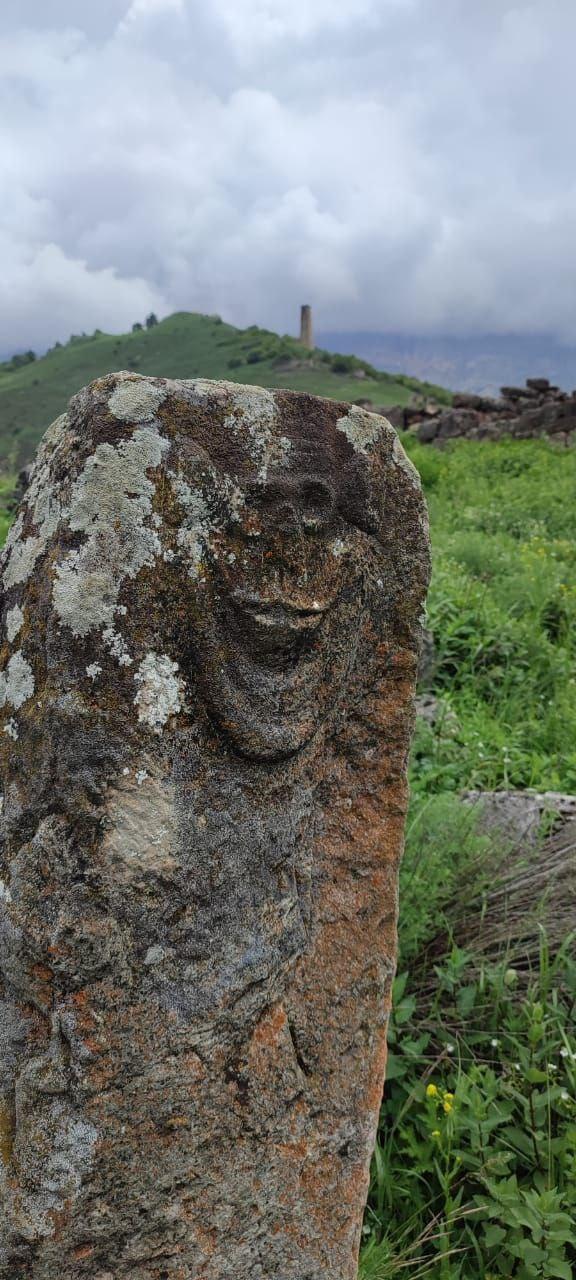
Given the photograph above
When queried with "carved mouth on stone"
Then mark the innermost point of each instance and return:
(278, 624)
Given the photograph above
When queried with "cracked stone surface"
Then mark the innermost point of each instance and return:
(211, 613)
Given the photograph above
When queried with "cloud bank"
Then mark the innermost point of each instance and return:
(403, 165)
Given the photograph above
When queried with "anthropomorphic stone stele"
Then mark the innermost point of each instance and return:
(211, 617)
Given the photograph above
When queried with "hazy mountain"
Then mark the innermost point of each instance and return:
(481, 364)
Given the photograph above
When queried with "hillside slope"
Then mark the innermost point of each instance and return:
(185, 345)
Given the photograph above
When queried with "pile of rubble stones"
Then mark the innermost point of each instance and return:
(538, 409)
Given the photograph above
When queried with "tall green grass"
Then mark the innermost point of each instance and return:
(502, 608)
(474, 1174)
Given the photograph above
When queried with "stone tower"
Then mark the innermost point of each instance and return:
(306, 326)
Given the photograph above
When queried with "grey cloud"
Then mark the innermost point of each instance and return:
(402, 164)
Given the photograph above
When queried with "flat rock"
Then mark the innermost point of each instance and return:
(518, 815)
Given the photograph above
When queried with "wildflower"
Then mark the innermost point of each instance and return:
(551, 1067)
(435, 1133)
(494, 1043)
(450, 1048)
(431, 1091)
(447, 1107)
(564, 1095)
(564, 1052)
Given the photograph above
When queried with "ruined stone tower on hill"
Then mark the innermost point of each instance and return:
(306, 326)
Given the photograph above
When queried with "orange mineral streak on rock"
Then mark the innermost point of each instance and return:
(6, 1133)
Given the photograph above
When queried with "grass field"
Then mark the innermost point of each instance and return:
(185, 345)
(474, 1175)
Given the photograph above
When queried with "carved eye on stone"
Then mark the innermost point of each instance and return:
(307, 503)
(317, 504)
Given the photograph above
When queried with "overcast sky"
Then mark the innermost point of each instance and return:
(403, 165)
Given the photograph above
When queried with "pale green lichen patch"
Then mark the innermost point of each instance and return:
(196, 526)
(16, 682)
(111, 500)
(135, 399)
(43, 503)
(362, 429)
(14, 622)
(21, 554)
(402, 460)
(116, 645)
(256, 410)
(160, 690)
(204, 511)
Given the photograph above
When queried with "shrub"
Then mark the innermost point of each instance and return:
(474, 1172)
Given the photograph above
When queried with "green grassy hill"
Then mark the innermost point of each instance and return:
(185, 345)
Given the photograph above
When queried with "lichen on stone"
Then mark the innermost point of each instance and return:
(14, 622)
(134, 399)
(116, 645)
(402, 460)
(16, 682)
(45, 508)
(255, 408)
(110, 502)
(194, 532)
(362, 429)
(160, 692)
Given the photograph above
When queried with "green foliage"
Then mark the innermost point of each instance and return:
(6, 491)
(502, 608)
(474, 1173)
(18, 361)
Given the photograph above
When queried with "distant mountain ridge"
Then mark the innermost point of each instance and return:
(479, 364)
(185, 345)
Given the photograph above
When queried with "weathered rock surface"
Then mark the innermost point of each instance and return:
(211, 623)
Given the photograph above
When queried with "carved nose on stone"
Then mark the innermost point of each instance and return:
(289, 504)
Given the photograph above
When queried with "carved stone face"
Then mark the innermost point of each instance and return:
(277, 608)
(210, 545)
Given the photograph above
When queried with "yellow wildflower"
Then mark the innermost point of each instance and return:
(431, 1091)
(435, 1133)
(447, 1107)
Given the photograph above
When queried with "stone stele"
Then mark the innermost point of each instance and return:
(212, 597)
